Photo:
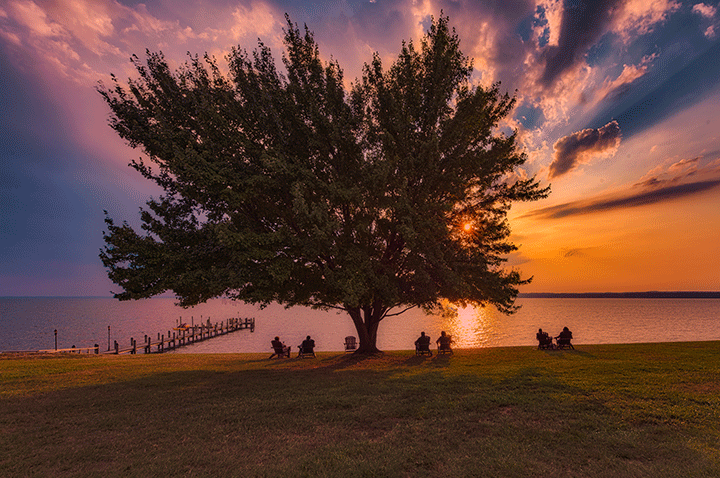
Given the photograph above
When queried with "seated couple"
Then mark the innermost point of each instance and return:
(422, 344)
(306, 349)
(562, 340)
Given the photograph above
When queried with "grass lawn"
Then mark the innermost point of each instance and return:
(640, 410)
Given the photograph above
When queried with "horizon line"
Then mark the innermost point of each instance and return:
(678, 294)
(629, 294)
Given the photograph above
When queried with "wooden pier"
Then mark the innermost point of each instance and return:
(180, 336)
(185, 335)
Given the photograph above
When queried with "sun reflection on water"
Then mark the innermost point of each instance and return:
(470, 326)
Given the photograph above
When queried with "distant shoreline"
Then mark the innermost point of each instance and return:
(622, 295)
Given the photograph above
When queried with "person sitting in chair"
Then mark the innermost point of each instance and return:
(422, 344)
(307, 347)
(544, 340)
(443, 342)
(563, 340)
(280, 349)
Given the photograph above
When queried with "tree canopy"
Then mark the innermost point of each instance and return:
(281, 186)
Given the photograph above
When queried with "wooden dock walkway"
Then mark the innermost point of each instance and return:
(180, 336)
(184, 335)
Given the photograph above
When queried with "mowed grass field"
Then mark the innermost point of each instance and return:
(640, 410)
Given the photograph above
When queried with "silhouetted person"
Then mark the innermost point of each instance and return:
(443, 342)
(281, 350)
(544, 340)
(422, 344)
(563, 340)
(308, 345)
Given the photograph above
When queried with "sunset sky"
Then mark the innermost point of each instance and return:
(618, 108)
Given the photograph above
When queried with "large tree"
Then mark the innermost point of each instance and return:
(285, 187)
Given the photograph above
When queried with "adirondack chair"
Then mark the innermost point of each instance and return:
(563, 340)
(279, 349)
(350, 344)
(443, 344)
(544, 340)
(307, 348)
(422, 345)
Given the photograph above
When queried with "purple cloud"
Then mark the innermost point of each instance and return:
(574, 149)
(642, 198)
(582, 24)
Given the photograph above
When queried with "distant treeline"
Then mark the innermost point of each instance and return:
(623, 295)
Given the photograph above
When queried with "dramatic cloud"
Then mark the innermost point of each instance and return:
(652, 194)
(583, 146)
(707, 11)
(582, 24)
(639, 17)
(684, 164)
(613, 89)
(664, 95)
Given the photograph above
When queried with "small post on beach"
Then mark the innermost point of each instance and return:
(108, 338)
(55, 339)
(97, 349)
(117, 348)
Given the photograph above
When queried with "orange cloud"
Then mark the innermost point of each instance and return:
(638, 17)
(707, 11)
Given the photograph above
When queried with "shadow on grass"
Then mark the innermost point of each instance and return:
(352, 415)
(561, 353)
(417, 360)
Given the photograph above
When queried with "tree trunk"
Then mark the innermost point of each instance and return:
(366, 320)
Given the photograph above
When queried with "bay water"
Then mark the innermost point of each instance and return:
(29, 323)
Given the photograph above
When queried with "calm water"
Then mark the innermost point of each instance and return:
(29, 323)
